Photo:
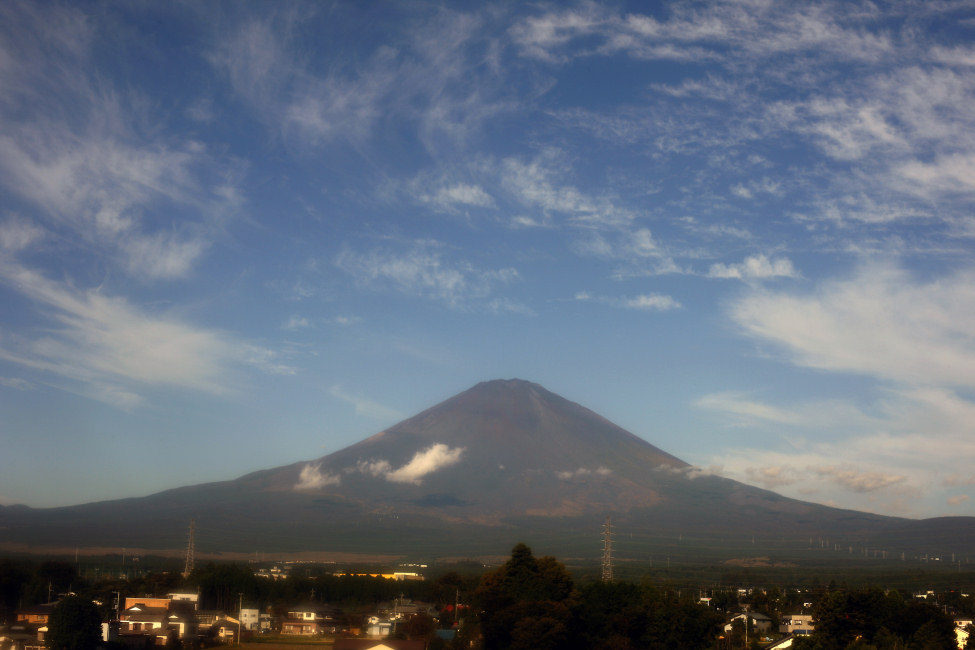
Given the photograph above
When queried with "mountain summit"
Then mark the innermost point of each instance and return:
(506, 460)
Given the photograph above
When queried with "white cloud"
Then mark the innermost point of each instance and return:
(719, 31)
(426, 80)
(459, 195)
(16, 383)
(771, 477)
(344, 320)
(957, 500)
(881, 322)
(857, 480)
(296, 322)
(690, 471)
(364, 406)
(423, 270)
(537, 184)
(948, 174)
(312, 478)
(651, 302)
(754, 267)
(826, 414)
(17, 234)
(915, 443)
(913, 336)
(956, 480)
(739, 405)
(583, 472)
(645, 302)
(423, 463)
(115, 349)
(75, 148)
(960, 56)
(375, 467)
(161, 255)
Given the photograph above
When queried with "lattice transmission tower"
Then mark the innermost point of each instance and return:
(190, 550)
(607, 574)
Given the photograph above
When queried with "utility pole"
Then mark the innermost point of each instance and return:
(607, 573)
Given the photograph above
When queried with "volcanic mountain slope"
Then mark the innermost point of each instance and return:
(502, 461)
(498, 449)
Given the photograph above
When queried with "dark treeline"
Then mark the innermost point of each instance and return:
(533, 603)
(221, 586)
(873, 619)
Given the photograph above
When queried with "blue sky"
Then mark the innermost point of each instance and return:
(235, 235)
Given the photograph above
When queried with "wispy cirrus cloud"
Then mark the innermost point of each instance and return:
(881, 322)
(858, 480)
(644, 302)
(689, 32)
(458, 195)
(418, 76)
(423, 269)
(365, 406)
(754, 267)
(910, 335)
(76, 149)
(17, 234)
(113, 351)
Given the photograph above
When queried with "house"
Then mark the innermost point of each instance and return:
(310, 619)
(35, 615)
(304, 612)
(186, 597)
(759, 622)
(300, 627)
(143, 618)
(378, 627)
(152, 621)
(304, 619)
(22, 637)
(250, 617)
(798, 624)
(225, 630)
(217, 623)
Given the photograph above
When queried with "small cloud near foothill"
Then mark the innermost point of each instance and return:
(312, 478)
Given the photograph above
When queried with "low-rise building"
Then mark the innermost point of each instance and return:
(798, 624)
(250, 618)
(759, 622)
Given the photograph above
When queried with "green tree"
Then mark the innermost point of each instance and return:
(74, 624)
(935, 634)
(526, 603)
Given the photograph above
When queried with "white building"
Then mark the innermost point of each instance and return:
(250, 618)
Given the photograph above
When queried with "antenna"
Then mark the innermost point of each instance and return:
(190, 542)
(607, 575)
